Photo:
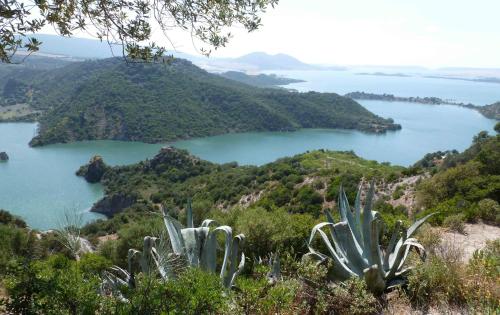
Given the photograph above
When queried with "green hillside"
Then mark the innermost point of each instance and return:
(111, 99)
(466, 185)
(303, 184)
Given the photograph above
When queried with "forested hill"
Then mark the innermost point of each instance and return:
(112, 99)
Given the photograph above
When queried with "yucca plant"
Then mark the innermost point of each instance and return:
(354, 245)
(199, 246)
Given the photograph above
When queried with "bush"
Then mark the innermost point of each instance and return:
(53, 286)
(438, 280)
(257, 296)
(482, 291)
(324, 297)
(455, 223)
(398, 192)
(489, 211)
(350, 297)
(269, 231)
(429, 237)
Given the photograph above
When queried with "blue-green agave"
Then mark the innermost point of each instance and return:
(354, 245)
(199, 246)
(189, 247)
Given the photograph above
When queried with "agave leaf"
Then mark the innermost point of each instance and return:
(409, 244)
(374, 281)
(189, 214)
(193, 240)
(329, 216)
(174, 233)
(417, 224)
(339, 267)
(275, 269)
(392, 243)
(233, 271)
(209, 254)
(367, 219)
(208, 223)
(396, 258)
(346, 210)
(238, 271)
(357, 214)
(352, 251)
(316, 255)
(341, 205)
(375, 253)
(395, 283)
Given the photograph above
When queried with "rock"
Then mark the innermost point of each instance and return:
(113, 204)
(94, 170)
(4, 156)
(172, 157)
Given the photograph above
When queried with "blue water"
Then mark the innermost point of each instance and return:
(39, 183)
(426, 128)
(342, 82)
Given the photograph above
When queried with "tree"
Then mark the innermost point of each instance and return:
(126, 22)
(497, 127)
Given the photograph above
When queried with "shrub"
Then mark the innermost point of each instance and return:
(350, 297)
(269, 231)
(320, 296)
(258, 296)
(398, 192)
(455, 223)
(193, 292)
(53, 286)
(429, 237)
(438, 279)
(489, 211)
(482, 291)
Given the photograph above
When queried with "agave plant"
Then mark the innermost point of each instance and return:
(354, 245)
(199, 246)
(118, 277)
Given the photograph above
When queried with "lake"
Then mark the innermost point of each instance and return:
(39, 184)
(343, 82)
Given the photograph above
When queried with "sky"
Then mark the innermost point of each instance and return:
(430, 33)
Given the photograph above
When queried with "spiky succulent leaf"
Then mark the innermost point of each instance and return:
(354, 244)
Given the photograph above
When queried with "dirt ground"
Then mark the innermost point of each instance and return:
(475, 238)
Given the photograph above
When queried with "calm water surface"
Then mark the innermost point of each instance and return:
(342, 82)
(425, 129)
(39, 183)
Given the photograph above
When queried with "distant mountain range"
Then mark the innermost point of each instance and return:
(58, 46)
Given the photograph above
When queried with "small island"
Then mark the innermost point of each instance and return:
(383, 74)
(4, 157)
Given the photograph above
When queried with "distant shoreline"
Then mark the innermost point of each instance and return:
(489, 111)
(403, 75)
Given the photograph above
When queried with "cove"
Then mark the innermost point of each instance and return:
(426, 128)
(39, 184)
